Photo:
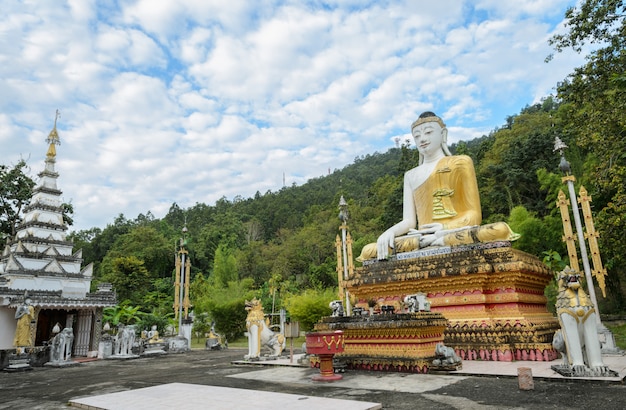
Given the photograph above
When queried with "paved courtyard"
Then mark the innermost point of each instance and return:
(215, 379)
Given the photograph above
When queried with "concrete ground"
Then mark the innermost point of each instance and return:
(221, 380)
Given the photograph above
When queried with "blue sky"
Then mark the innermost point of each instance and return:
(189, 101)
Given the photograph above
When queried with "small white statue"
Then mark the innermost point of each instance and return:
(337, 308)
(62, 346)
(445, 356)
(417, 303)
(153, 335)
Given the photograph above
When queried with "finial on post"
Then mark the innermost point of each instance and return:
(53, 138)
(564, 165)
(343, 210)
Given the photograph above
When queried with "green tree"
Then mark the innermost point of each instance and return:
(225, 229)
(147, 320)
(86, 241)
(230, 318)
(16, 190)
(507, 174)
(160, 298)
(129, 278)
(201, 325)
(596, 22)
(224, 305)
(96, 242)
(148, 245)
(537, 235)
(254, 261)
(224, 267)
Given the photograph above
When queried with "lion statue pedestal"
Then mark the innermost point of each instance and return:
(260, 334)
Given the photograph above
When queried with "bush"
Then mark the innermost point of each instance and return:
(224, 305)
(309, 307)
(230, 318)
(149, 319)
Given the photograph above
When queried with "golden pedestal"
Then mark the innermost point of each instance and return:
(491, 294)
(394, 342)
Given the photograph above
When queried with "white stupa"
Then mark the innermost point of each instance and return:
(39, 263)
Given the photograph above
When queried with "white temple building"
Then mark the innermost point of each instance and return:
(39, 264)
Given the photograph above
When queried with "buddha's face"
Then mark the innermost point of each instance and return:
(429, 137)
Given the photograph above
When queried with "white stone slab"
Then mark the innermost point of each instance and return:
(401, 382)
(193, 396)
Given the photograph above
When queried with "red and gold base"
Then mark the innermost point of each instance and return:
(491, 294)
(396, 342)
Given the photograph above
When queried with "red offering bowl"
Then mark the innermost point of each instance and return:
(325, 345)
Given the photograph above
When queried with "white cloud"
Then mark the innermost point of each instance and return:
(191, 100)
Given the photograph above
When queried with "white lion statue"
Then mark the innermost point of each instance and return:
(259, 333)
(445, 356)
(417, 303)
(577, 340)
(61, 350)
(337, 307)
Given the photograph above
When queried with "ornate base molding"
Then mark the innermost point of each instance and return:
(397, 342)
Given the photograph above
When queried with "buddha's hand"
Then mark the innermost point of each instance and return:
(432, 235)
(431, 240)
(384, 242)
(430, 228)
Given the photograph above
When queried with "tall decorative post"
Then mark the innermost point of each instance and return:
(606, 337)
(181, 286)
(344, 264)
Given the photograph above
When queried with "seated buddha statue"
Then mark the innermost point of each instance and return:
(153, 335)
(441, 204)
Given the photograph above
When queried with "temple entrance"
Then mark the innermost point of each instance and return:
(46, 321)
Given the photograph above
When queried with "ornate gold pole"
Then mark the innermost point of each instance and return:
(186, 303)
(592, 238)
(350, 259)
(339, 267)
(568, 237)
(569, 180)
(177, 286)
(181, 286)
(343, 215)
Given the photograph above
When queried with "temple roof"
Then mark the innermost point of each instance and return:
(54, 299)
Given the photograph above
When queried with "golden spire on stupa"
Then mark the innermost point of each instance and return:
(53, 138)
